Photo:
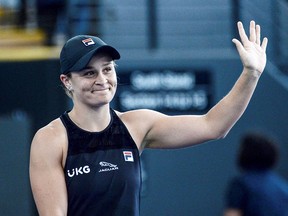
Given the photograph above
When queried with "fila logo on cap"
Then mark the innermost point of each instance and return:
(128, 156)
(88, 42)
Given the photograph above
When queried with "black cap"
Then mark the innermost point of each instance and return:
(78, 51)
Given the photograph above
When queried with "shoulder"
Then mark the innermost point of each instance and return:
(140, 114)
(50, 141)
(143, 119)
(139, 123)
(53, 130)
(280, 180)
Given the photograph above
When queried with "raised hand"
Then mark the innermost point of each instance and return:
(251, 51)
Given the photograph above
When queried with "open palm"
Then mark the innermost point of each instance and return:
(252, 52)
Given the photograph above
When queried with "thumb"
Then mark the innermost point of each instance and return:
(238, 45)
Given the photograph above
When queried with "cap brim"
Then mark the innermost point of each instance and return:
(84, 60)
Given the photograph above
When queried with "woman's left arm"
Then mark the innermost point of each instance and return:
(182, 131)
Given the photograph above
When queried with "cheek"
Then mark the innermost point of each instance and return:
(85, 86)
(113, 80)
(114, 83)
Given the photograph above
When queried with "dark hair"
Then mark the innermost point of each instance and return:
(257, 152)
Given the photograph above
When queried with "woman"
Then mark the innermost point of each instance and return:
(87, 161)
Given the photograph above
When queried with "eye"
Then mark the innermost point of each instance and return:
(107, 69)
(89, 73)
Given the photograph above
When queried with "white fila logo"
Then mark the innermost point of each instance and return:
(88, 42)
(128, 156)
(78, 171)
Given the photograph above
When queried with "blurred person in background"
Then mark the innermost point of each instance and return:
(87, 161)
(259, 190)
(49, 13)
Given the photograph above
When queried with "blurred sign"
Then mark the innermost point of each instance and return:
(165, 90)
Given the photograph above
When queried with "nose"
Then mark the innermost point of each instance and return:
(101, 79)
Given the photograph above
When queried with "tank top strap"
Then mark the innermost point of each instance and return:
(66, 120)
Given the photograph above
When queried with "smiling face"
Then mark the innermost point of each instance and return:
(95, 85)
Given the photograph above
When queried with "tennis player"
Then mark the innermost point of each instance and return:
(86, 162)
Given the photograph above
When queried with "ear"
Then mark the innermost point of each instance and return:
(65, 80)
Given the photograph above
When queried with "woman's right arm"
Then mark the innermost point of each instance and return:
(46, 171)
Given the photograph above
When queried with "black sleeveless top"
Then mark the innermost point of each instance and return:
(102, 170)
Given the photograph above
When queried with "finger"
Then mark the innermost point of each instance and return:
(242, 33)
(238, 45)
(258, 34)
(252, 31)
(264, 44)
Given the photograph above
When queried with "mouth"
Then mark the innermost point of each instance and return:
(100, 90)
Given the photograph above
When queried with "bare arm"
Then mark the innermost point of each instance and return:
(182, 131)
(46, 173)
(253, 56)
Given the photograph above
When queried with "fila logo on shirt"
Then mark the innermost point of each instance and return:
(128, 156)
(88, 42)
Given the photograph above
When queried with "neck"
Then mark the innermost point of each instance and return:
(96, 119)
